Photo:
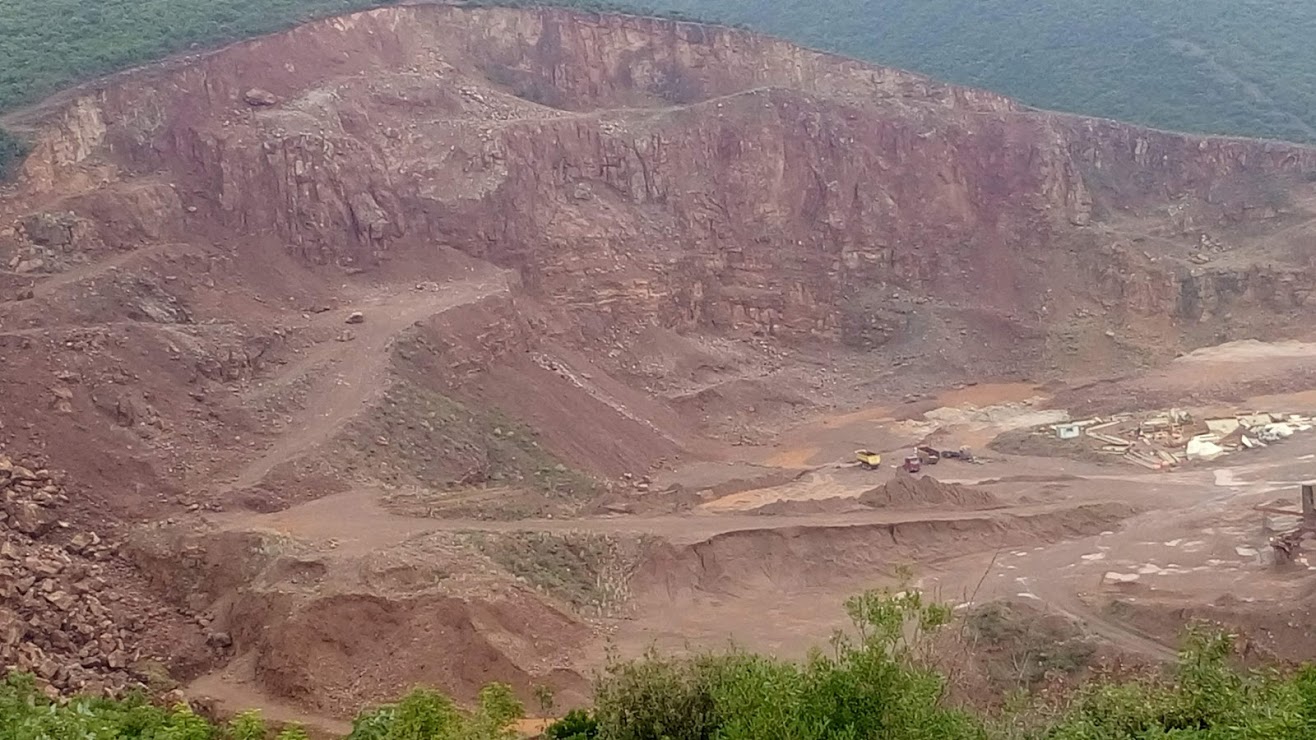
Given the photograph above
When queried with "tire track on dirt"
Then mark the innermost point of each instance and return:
(358, 375)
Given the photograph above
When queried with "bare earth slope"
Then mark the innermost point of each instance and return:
(595, 257)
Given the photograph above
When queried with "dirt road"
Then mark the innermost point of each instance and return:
(348, 376)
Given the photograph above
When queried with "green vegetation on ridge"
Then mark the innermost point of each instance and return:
(1225, 66)
(48, 45)
(51, 44)
(1244, 67)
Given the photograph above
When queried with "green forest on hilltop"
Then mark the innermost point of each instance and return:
(1244, 67)
(47, 45)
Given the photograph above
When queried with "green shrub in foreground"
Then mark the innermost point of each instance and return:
(873, 685)
(879, 685)
(1203, 698)
(576, 725)
(428, 715)
(26, 714)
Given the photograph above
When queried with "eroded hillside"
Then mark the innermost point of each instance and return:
(587, 252)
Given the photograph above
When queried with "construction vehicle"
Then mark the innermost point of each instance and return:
(927, 455)
(912, 464)
(963, 453)
(868, 459)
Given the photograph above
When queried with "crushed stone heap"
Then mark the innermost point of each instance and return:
(58, 614)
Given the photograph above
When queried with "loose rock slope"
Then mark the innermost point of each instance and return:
(67, 615)
(304, 318)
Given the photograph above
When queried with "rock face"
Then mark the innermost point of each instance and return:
(607, 229)
(657, 172)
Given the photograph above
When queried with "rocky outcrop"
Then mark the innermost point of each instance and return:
(653, 172)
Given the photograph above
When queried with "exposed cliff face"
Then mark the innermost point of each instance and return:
(651, 171)
(636, 175)
(574, 240)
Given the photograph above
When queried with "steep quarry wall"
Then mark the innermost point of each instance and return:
(656, 172)
(639, 176)
(423, 260)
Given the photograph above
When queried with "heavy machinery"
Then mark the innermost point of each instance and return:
(868, 459)
(927, 455)
(912, 464)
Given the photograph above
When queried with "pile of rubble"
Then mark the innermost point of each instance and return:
(57, 619)
(1165, 441)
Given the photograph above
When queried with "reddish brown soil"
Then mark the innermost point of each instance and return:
(909, 491)
(635, 291)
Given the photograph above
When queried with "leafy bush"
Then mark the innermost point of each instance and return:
(428, 715)
(292, 732)
(576, 725)
(1204, 698)
(873, 685)
(26, 714)
(247, 726)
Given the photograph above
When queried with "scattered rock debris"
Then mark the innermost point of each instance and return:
(55, 621)
(66, 614)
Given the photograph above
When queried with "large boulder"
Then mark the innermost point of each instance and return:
(260, 98)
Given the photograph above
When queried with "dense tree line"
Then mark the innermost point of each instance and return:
(1230, 66)
(1243, 67)
(48, 45)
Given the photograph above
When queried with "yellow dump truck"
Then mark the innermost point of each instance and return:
(868, 459)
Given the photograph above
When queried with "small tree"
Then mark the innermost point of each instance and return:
(544, 695)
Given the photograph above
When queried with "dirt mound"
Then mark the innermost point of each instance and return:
(910, 491)
(334, 632)
(1019, 644)
(794, 557)
(815, 506)
(344, 651)
(1266, 632)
